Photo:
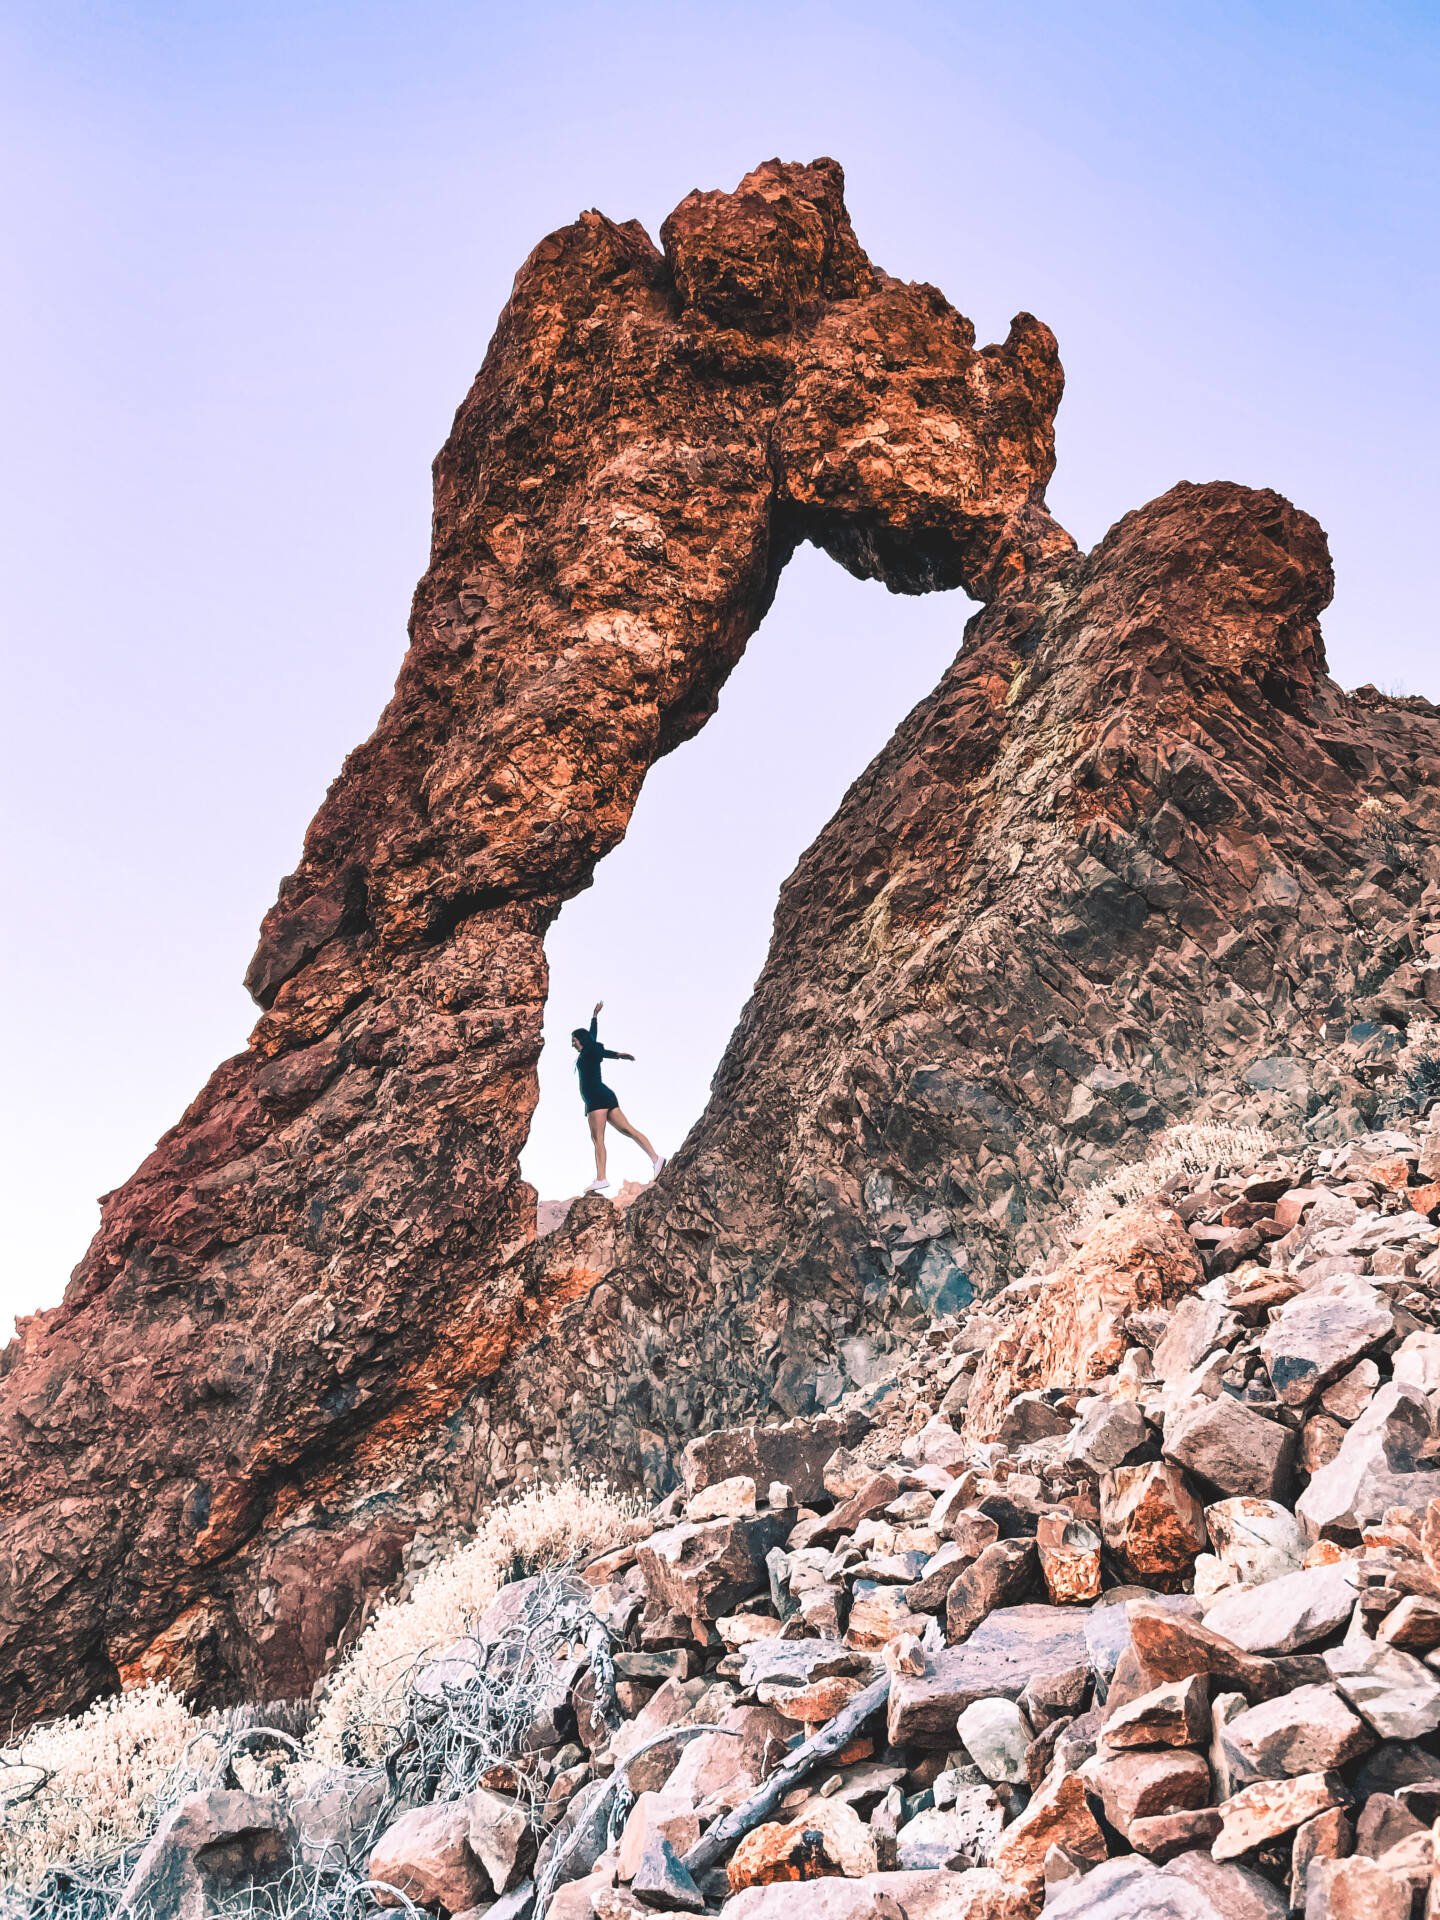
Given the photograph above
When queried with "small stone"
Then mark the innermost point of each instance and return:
(1152, 1522)
(1196, 1328)
(1231, 1447)
(1390, 1688)
(1414, 1625)
(1141, 1784)
(724, 1500)
(1069, 1553)
(1161, 1836)
(997, 1738)
(1175, 1714)
(1029, 1417)
(1272, 1807)
(880, 1613)
(1321, 1439)
(1311, 1730)
(1355, 1889)
(1416, 1361)
(1294, 1611)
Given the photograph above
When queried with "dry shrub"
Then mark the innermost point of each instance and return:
(83, 1791)
(1186, 1153)
(364, 1710)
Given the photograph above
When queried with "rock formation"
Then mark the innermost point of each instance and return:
(1135, 860)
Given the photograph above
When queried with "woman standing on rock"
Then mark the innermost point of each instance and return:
(600, 1103)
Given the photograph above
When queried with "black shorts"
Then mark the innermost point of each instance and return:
(602, 1103)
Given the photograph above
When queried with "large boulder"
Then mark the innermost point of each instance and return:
(210, 1848)
(1072, 1330)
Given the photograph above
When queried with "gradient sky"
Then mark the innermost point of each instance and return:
(253, 257)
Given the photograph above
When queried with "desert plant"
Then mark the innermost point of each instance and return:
(364, 1714)
(1187, 1152)
(83, 1794)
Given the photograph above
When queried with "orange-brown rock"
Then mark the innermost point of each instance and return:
(1073, 1329)
(1110, 874)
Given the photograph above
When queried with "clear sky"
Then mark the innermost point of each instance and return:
(253, 257)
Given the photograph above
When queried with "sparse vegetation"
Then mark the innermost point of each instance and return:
(1179, 1153)
(80, 1797)
(364, 1713)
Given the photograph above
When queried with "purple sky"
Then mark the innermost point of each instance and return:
(254, 254)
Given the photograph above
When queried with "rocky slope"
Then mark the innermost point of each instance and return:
(1120, 1596)
(1136, 859)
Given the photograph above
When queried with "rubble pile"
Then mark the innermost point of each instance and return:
(1121, 1597)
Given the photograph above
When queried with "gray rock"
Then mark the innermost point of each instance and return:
(663, 1880)
(1320, 1334)
(1013, 1646)
(1196, 1327)
(1375, 1468)
(1233, 1448)
(1193, 1887)
(1395, 1692)
(995, 1735)
(1311, 1730)
(1175, 1714)
(1106, 1434)
(1297, 1610)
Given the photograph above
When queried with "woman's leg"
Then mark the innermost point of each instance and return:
(597, 1135)
(618, 1120)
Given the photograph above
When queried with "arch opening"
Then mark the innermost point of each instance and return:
(675, 926)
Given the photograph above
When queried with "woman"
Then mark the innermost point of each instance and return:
(600, 1103)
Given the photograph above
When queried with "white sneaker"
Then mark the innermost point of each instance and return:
(598, 1186)
(657, 1166)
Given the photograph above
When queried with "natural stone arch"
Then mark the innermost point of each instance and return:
(650, 436)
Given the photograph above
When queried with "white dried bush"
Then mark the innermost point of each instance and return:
(548, 1526)
(106, 1776)
(1185, 1153)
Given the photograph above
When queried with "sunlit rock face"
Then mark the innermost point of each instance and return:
(1135, 860)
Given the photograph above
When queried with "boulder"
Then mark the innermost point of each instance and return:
(1377, 1466)
(1012, 1648)
(1391, 1689)
(997, 1737)
(1254, 1540)
(1297, 1610)
(1152, 1522)
(1130, 1888)
(1069, 1551)
(1174, 1714)
(975, 1895)
(1106, 1434)
(1269, 1808)
(1141, 1784)
(655, 1816)
(829, 1837)
(210, 1848)
(1321, 1333)
(500, 1836)
(794, 1452)
(1311, 1730)
(1355, 1889)
(1000, 1576)
(1058, 1816)
(426, 1855)
(703, 1570)
(1073, 1330)
(1231, 1447)
(661, 1879)
(728, 1499)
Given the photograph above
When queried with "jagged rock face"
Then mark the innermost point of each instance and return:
(1136, 859)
